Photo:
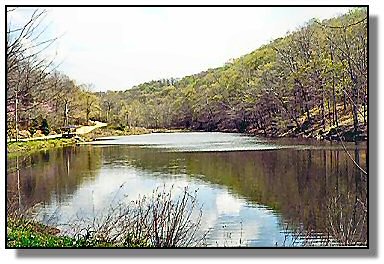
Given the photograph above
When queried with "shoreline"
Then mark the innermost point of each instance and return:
(17, 148)
(31, 146)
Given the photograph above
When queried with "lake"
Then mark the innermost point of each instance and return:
(252, 191)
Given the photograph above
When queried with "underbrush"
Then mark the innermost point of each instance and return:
(25, 233)
(159, 220)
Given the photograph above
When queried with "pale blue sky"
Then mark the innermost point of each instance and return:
(116, 48)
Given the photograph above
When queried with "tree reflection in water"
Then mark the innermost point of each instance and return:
(318, 192)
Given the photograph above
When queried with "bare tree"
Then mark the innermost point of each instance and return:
(30, 76)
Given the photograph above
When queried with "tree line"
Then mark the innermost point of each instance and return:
(312, 81)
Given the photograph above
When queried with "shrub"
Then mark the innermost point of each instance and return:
(44, 127)
(160, 220)
(34, 126)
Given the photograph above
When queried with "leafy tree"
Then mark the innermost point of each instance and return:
(44, 127)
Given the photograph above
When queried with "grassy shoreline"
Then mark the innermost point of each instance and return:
(25, 233)
(28, 147)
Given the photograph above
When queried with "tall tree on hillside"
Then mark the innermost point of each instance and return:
(347, 41)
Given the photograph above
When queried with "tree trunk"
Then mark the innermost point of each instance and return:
(334, 102)
(345, 103)
(355, 104)
(322, 113)
(365, 108)
(87, 117)
(66, 110)
(304, 99)
(16, 117)
(330, 116)
(322, 107)
(335, 118)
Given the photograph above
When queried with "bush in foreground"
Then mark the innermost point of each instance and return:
(159, 220)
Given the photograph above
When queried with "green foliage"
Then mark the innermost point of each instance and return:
(28, 234)
(24, 233)
(24, 147)
(34, 126)
(306, 75)
(44, 127)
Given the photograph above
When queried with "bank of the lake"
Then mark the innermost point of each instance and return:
(344, 131)
(112, 131)
(108, 131)
(26, 233)
(28, 147)
(31, 145)
(341, 130)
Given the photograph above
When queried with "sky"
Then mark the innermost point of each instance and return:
(115, 48)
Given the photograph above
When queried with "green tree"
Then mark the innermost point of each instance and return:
(44, 127)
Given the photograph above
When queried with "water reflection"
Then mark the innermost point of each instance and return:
(299, 184)
(49, 174)
(249, 197)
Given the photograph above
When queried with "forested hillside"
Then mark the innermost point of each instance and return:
(309, 82)
(312, 82)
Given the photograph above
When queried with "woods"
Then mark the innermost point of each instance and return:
(312, 82)
(84, 162)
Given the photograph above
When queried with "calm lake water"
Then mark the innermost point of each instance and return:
(253, 191)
